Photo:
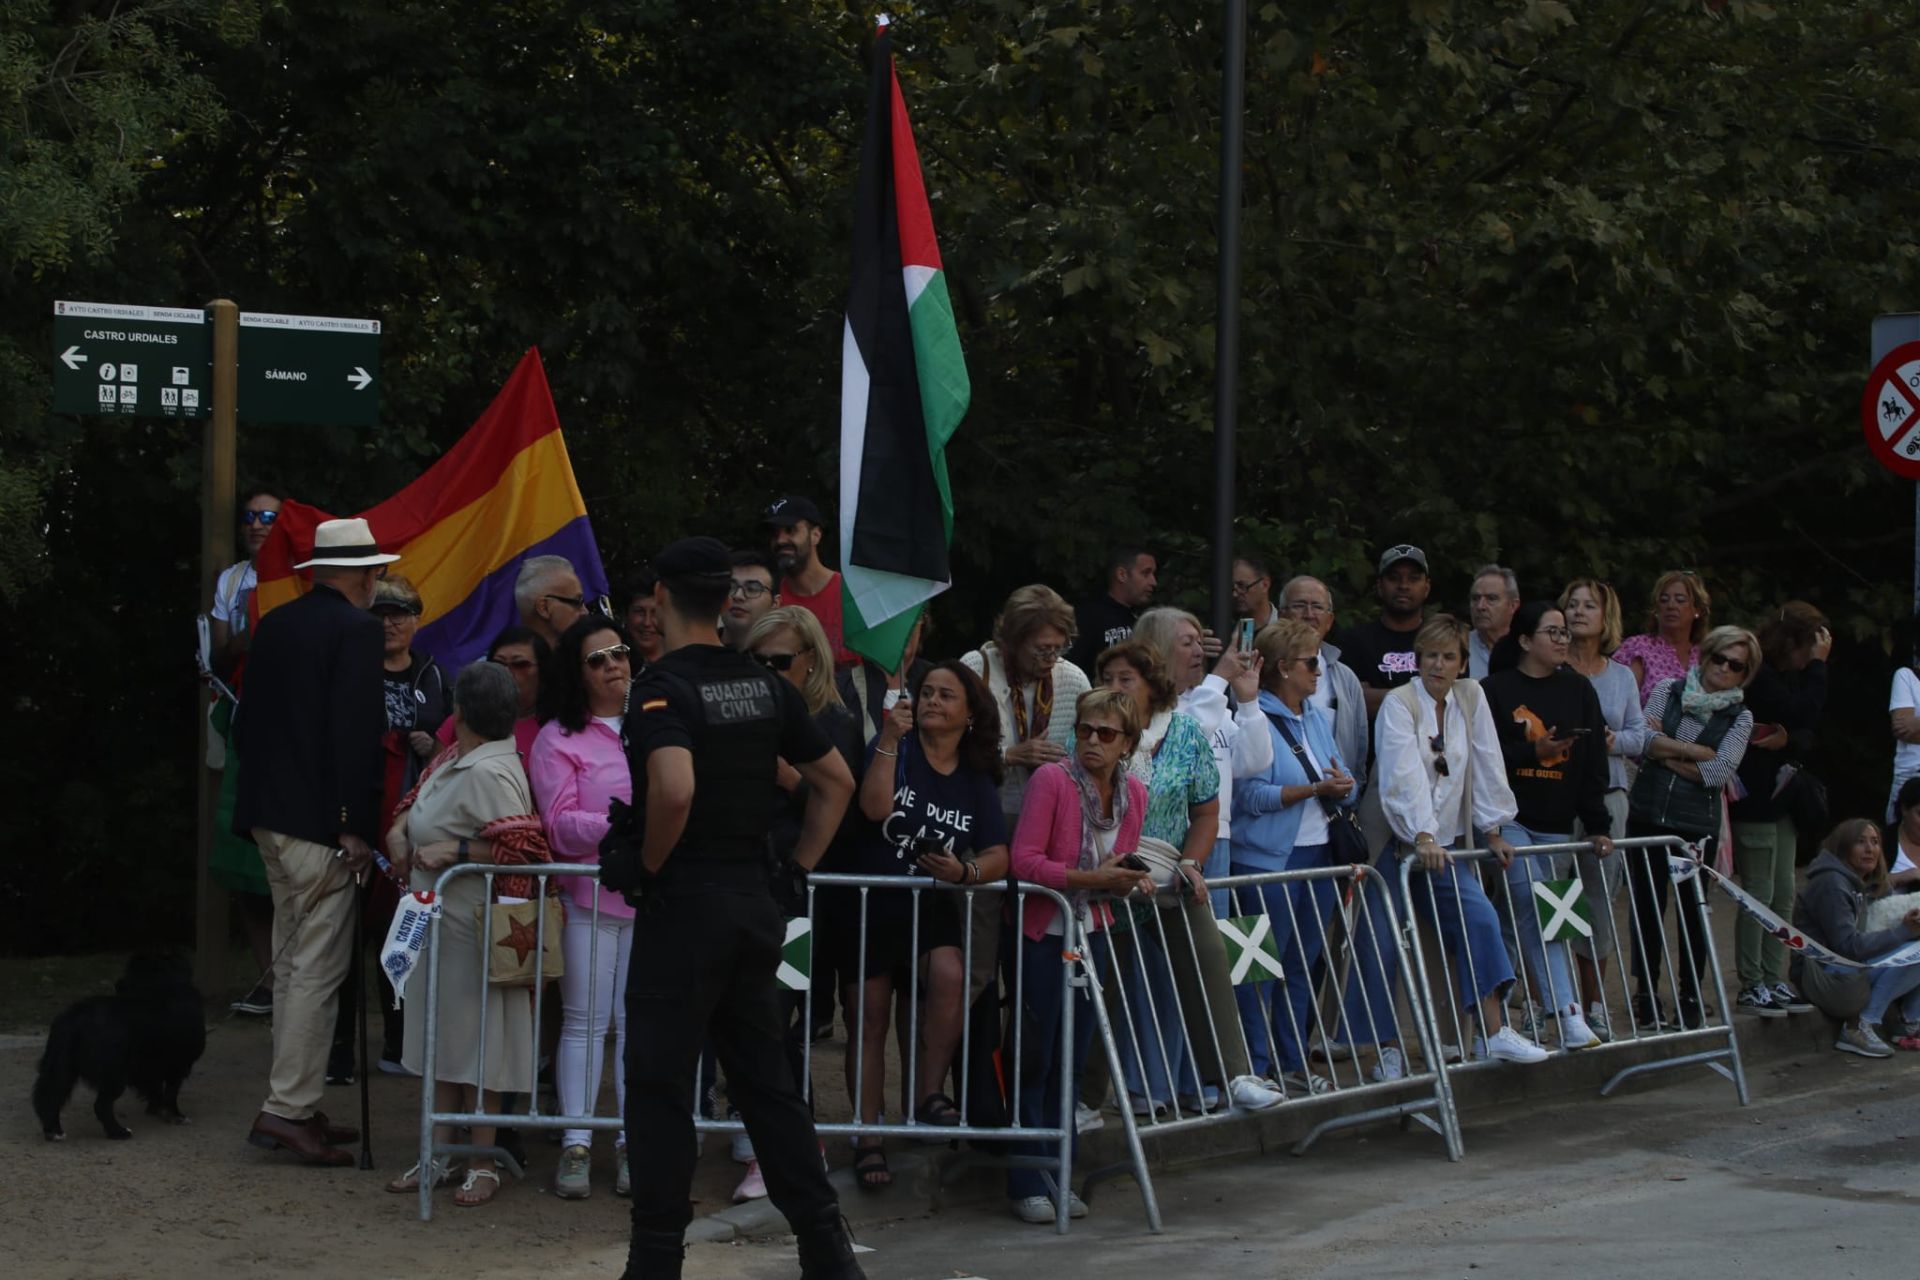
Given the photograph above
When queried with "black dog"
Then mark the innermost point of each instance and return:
(147, 1035)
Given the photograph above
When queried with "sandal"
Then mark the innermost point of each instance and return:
(938, 1109)
(410, 1180)
(870, 1167)
(469, 1196)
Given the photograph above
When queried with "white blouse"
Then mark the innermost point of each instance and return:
(1415, 796)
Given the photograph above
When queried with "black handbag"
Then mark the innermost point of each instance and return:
(1345, 841)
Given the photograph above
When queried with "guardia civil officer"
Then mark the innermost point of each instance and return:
(704, 727)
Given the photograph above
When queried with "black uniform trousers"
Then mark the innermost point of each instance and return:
(704, 957)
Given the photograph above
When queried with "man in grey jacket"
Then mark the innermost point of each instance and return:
(1830, 912)
(1339, 696)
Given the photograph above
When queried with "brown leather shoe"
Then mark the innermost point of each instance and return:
(301, 1137)
(331, 1133)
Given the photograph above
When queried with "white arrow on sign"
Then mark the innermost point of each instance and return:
(72, 357)
(359, 378)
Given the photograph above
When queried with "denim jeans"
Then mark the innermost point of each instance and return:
(1547, 963)
(1044, 993)
(1298, 911)
(1895, 982)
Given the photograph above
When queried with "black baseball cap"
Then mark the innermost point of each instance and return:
(695, 558)
(1403, 551)
(791, 510)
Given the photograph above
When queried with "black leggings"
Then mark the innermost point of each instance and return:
(1650, 881)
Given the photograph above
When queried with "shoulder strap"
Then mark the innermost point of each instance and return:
(1670, 718)
(1300, 752)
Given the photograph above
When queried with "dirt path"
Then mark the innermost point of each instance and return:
(196, 1200)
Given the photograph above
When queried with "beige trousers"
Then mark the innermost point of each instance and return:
(313, 907)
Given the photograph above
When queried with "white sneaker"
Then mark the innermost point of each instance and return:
(1330, 1052)
(1574, 1031)
(742, 1149)
(1599, 1023)
(1392, 1066)
(1310, 1083)
(1251, 1093)
(1508, 1045)
(1086, 1119)
(752, 1187)
(1076, 1207)
(570, 1178)
(1039, 1210)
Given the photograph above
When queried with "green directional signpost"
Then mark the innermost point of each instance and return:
(309, 369)
(151, 362)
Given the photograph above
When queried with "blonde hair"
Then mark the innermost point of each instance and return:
(1702, 603)
(817, 689)
(1612, 629)
(1840, 842)
(397, 589)
(1111, 702)
(1721, 639)
(1442, 629)
(1156, 627)
(1280, 641)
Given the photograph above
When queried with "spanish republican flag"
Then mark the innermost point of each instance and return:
(903, 389)
(504, 492)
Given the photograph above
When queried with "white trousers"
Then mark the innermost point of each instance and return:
(596, 958)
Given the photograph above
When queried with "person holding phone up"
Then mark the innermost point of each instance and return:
(1553, 737)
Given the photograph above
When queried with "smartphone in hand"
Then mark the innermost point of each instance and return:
(1246, 635)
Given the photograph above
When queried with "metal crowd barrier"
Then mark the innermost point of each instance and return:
(1299, 925)
(1008, 965)
(1535, 997)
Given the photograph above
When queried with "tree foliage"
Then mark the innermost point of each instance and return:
(1574, 287)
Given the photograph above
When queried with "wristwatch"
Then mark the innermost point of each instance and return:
(465, 853)
(1190, 862)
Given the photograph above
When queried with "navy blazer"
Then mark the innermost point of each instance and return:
(308, 731)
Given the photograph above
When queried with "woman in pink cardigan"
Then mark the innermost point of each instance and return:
(577, 766)
(1081, 816)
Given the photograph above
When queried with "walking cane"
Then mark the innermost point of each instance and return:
(360, 1021)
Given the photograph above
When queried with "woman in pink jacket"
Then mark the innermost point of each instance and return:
(1080, 818)
(577, 766)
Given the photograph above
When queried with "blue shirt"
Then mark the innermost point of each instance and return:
(1263, 828)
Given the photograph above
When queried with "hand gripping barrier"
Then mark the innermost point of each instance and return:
(945, 1035)
(1558, 912)
(1204, 1007)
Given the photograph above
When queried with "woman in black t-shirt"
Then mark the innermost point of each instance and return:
(930, 795)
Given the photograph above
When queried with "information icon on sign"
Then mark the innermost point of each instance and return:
(129, 373)
(189, 398)
(109, 371)
(180, 376)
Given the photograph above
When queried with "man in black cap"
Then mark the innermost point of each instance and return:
(703, 729)
(794, 528)
(1381, 652)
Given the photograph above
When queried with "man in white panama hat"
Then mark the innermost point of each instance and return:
(309, 795)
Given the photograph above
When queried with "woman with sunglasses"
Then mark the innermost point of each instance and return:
(1680, 614)
(1284, 811)
(1438, 763)
(1698, 731)
(1553, 736)
(929, 792)
(1082, 821)
(577, 768)
(1029, 680)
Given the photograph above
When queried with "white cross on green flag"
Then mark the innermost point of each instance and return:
(1252, 953)
(1563, 909)
(796, 956)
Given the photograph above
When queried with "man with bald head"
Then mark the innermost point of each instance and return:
(1339, 696)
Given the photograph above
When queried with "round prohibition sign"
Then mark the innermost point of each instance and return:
(1890, 411)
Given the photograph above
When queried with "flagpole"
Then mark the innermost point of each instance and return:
(1226, 356)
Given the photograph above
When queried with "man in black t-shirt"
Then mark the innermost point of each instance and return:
(1381, 652)
(1106, 619)
(704, 728)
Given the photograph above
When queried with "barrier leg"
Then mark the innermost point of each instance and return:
(1136, 1154)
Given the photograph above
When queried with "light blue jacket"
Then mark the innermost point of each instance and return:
(1264, 829)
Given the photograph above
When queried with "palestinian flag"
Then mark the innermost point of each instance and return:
(903, 390)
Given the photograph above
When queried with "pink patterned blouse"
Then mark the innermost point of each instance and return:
(1656, 659)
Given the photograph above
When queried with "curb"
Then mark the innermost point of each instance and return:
(759, 1218)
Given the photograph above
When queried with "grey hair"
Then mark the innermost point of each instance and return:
(1307, 577)
(535, 573)
(487, 699)
(1155, 627)
(1503, 573)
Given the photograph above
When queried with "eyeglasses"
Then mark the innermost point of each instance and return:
(1244, 587)
(578, 602)
(513, 664)
(776, 661)
(1439, 744)
(1311, 662)
(600, 657)
(1305, 607)
(390, 614)
(747, 590)
(1734, 665)
(1104, 734)
(264, 519)
(1554, 633)
(1046, 652)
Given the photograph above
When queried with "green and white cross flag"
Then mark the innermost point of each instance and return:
(1252, 953)
(1563, 910)
(796, 956)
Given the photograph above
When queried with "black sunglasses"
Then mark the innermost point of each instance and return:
(578, 602)
(264, 519)
(1439, 744)
(1734, 665)
(776, 661)
(1101, 733)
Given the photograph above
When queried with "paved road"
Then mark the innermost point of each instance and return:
(1819, 1177)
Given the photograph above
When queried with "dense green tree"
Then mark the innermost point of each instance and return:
(1570, 286)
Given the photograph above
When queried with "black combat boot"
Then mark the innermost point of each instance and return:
(826, 1253)
(655, 1255)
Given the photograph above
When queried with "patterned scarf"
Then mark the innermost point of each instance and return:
(518, 839)
(1091, 822)
(1042, 704)
(1700, 704)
